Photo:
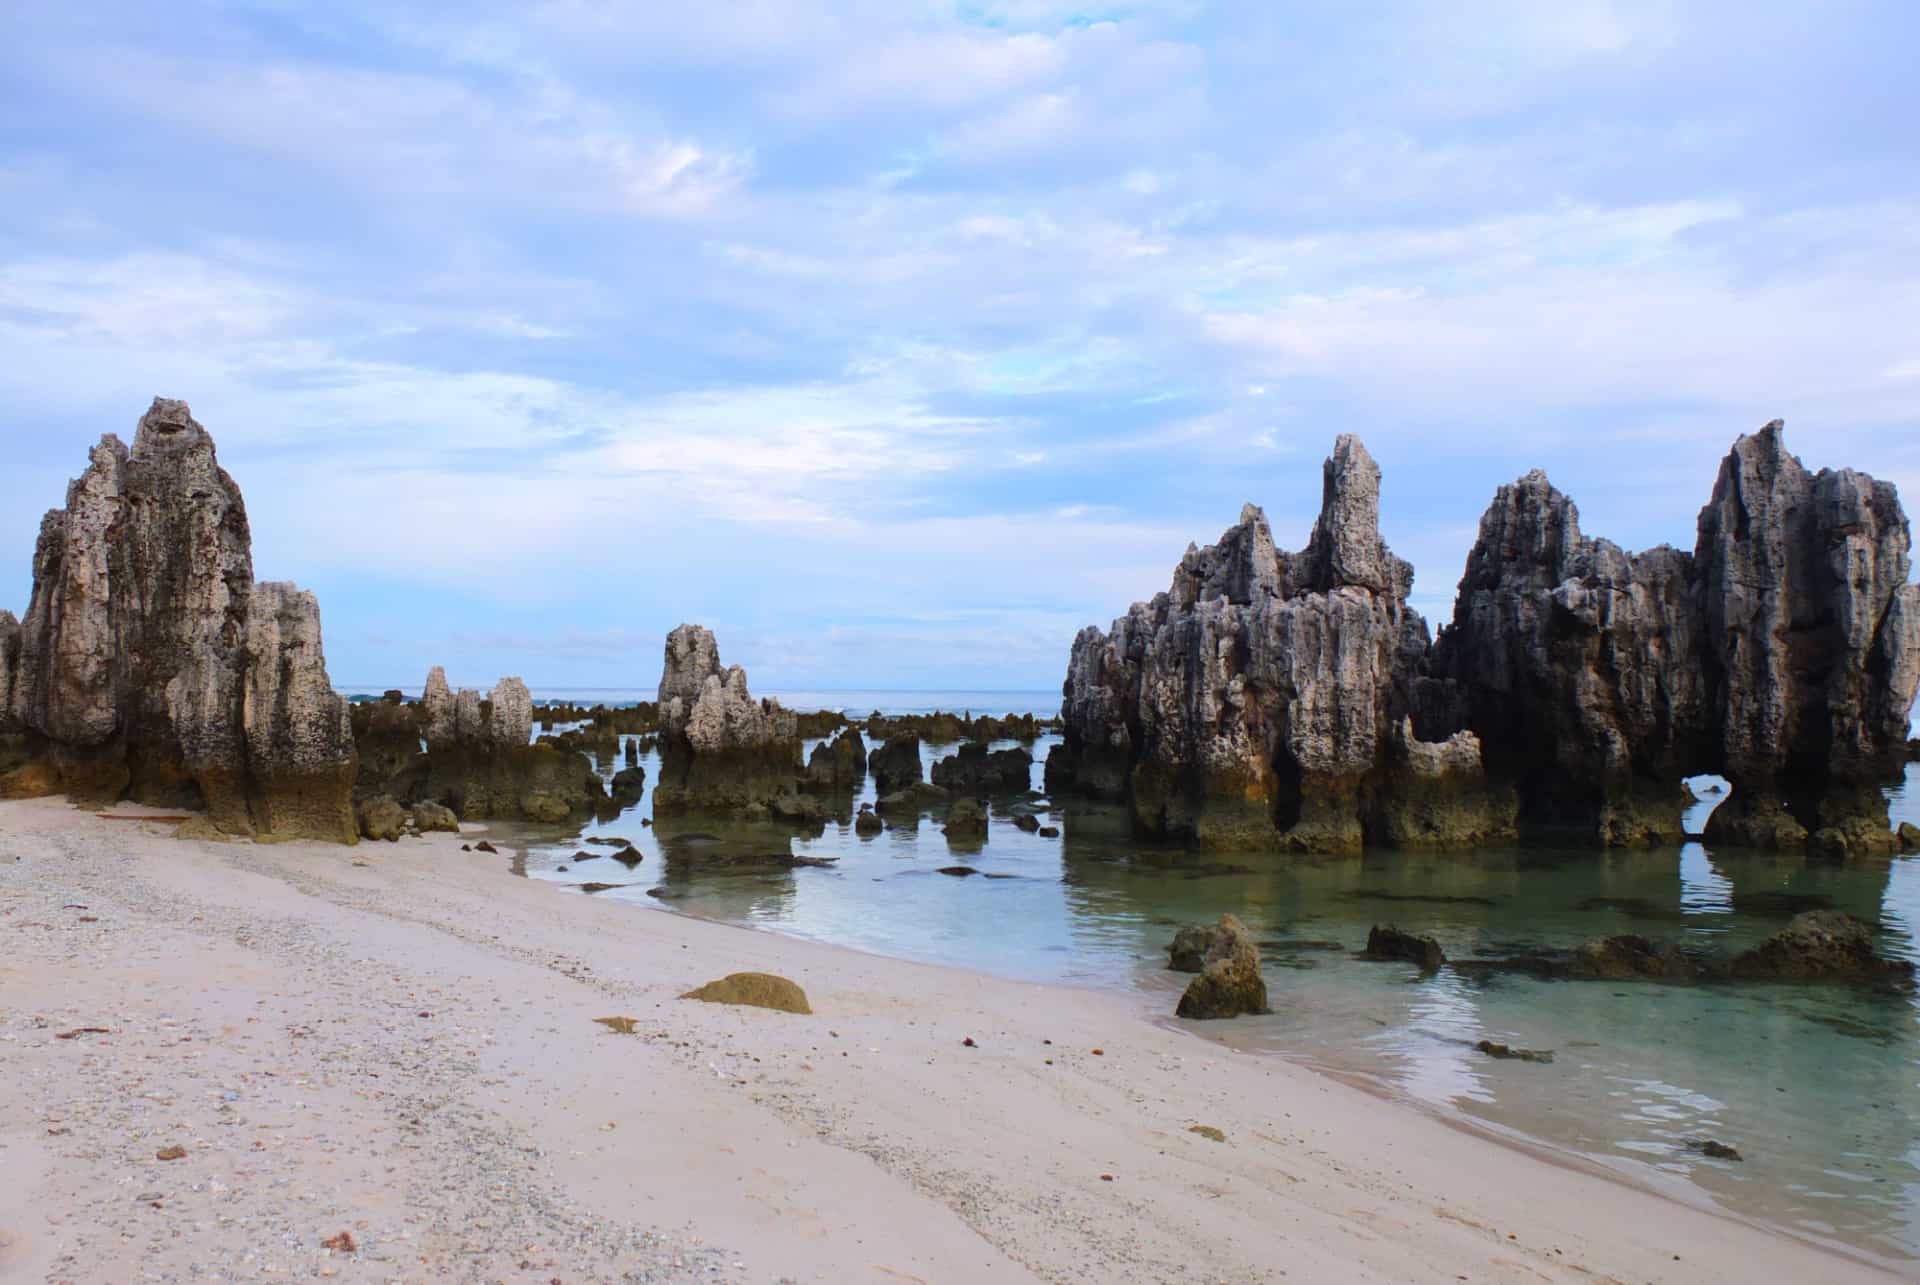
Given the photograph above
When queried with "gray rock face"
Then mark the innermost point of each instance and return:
(9, 666)
(1811, 642)
(511, 719)
(720, 749)
(1257, 703)
(1576, 665)
(1277, 700)
(436, 703)
(151, 665)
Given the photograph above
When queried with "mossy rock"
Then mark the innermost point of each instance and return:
(431, 817)
(382, 819)
(756, 990)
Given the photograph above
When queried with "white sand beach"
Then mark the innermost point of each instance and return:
(397, 1042)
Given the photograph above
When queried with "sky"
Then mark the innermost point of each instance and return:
(897, 340)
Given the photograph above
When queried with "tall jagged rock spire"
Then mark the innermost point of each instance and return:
(153, 667)
(1263, 701)
(1292, 700)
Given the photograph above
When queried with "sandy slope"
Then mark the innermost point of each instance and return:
(405, 1050)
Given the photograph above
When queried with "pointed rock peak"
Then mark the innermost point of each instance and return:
(1250, 512)
(168, 428)
(1346, 548)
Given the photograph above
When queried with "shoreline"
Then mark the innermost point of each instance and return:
(908, 1155)
(1638, 1178)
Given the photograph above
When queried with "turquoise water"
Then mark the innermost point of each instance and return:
(1818, 1087)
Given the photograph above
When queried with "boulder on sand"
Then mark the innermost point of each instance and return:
(754, 990)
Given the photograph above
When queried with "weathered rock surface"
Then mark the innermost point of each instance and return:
(1188, 951)
(478, 762)
(839, 764)
(976, 770)
(1292, 701)
(867, 823)
(382, 818)
(720, 750)
(1229, 983)
(1263, 700)
(896, 764)
(150, 665)
(429, 818)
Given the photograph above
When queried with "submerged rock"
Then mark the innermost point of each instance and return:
(867, 823)
(755, 990)
(1386, 942)
(1229, 983)
(150, 665)
(966, 822)
(1820, 945)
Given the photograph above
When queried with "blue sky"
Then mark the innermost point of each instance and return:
(898, 339)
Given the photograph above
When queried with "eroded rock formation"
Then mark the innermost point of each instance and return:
(1263, 701)
(472, 755)
(1292, 701)
(720, 749)
(149, 664)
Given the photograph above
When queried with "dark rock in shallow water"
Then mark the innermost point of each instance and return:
(916, 797)
(974, 769)
(958, 871)
(867, 824)
(1049, 832)
(1229, 983)
(1424, 898)
(1508, 1053)
(1714, 1150)
(1027, 822)
(1909, 837)
(629, 785)
(895, 764)
(838, 764)
(1820, 945)
(1386, 942)
(966, 822)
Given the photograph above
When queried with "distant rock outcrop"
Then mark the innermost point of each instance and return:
(473, 756)
(976, 770)
(896, 764)
(150, 665)
(1292, 701)
(720, 750)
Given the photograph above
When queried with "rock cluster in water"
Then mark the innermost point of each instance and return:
(720, 749)
(150, 666)
(471, 754)
(1293, 701)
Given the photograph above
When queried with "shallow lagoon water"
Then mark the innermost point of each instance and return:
(1818, 1087)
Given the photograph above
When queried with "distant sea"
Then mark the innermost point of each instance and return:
(852, 701)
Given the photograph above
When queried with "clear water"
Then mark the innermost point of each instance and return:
(1818, 1087)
